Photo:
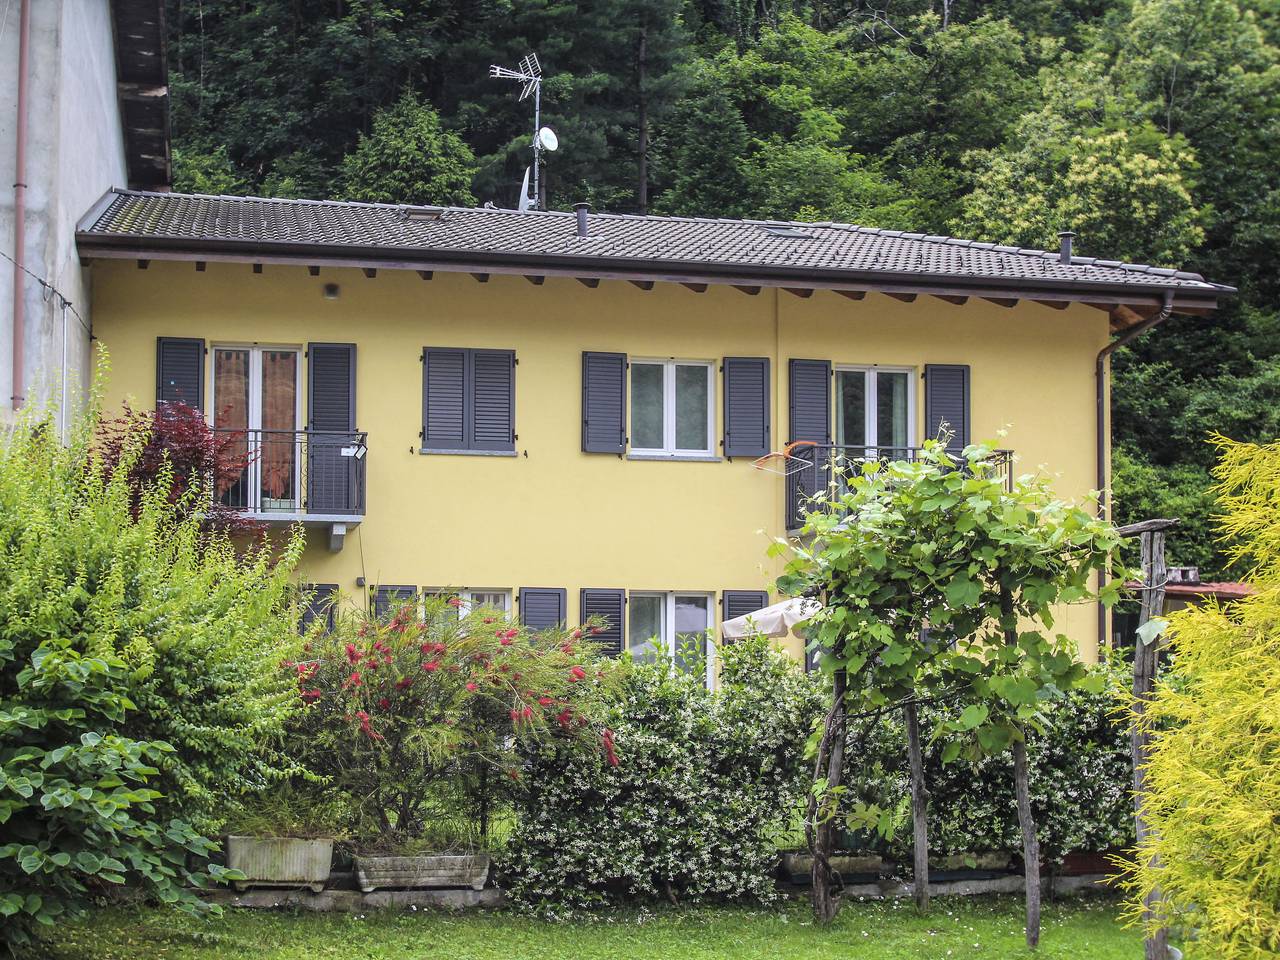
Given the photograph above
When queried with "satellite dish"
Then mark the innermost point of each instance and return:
(525, 200)
(547, 137)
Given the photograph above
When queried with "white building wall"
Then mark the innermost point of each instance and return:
(75, 153)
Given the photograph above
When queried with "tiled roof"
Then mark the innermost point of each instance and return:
(713, 247)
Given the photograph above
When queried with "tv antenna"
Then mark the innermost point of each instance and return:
(529, 73)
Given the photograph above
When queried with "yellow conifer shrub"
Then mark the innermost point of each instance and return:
(1214, 772)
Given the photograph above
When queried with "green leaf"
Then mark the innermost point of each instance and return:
(973, 716)
(1152, 630)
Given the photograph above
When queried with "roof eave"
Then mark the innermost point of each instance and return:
(1186, 298)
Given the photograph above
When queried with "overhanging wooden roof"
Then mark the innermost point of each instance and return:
(142, 90)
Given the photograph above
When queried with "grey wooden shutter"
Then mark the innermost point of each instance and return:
(331, 421)
(180, 371)
(746, 407)
(542, 607)
(387, 599)
(810, 419)
(493, 400)
(946, 403)
(609, 604)
(738, 603)
(604, 378)
(811, 400)
(444, 399)
(320, 599)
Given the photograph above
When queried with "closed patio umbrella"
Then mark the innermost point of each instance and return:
(777, 620)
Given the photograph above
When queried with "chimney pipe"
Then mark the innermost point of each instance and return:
(581, 210)
(1064, 251)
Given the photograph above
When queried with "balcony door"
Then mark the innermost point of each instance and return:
(256, 411)
(875, 411)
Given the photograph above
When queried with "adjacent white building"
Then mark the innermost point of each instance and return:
(93, 85)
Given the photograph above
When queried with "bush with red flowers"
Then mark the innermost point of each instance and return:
(427, 704)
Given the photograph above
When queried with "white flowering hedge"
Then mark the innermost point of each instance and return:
(1080, 778)
(706, 783)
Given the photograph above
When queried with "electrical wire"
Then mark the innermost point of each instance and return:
(49, 288)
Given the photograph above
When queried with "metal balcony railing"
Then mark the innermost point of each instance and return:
(818, 470)
(294, 473)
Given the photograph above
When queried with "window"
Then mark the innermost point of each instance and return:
(472, 599)
(468, 401)
(673, 625)
(875, 408)
(672, 413)
(256, 406)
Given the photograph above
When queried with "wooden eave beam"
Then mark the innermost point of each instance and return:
(426, 274)
(642, 284)
(200, 265)
(951, 298)
(853, 294)
(1002, 301)
(535, 279)
(257, 268)
(370, 272)
(749, 291)
(481, 277)
(1053, 304)
(590, 282)
(314, 270)
(695, 287)
(804, 293)
(904, 297)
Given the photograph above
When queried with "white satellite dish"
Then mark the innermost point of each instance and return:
(525, 200)
(547, 137)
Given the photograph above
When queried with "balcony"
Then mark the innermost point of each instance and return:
(813, 468)
(314, 477)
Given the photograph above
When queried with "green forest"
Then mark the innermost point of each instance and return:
(1149, 127)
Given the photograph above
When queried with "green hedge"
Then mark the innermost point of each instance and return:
(705, 785)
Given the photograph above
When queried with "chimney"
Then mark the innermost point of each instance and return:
(1064, 251)
(581, 210)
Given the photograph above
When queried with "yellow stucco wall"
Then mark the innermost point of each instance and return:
(554, 516)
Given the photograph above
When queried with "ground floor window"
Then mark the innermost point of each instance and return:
(497, 599)
(674, 625)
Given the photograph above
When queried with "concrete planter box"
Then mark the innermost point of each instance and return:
(280, 862)
(797, 865)
(415, 873)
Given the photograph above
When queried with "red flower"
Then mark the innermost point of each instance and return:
(431, 666)
(384, 703)
(526, 713)
(354, 680)
(565, 717)
(545, 701)
(577, 634)
(576, 674)
(404, 682)
(353, 655)
(513, 774)
(472, 687)
(505, 641)
(488, 619)
(310, 696)
(609, 754)
(455, 602)
(515, 715)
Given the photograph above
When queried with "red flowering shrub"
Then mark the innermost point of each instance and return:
(401, 709)
(177, 444)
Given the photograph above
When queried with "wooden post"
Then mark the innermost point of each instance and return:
(1146, 665)
(919, 809)
(826, 882)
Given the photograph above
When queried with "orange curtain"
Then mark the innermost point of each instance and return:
(279, 413)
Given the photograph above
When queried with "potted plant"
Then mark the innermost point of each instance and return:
(427, 706)
(282, 838)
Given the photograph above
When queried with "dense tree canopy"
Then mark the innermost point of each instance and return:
(1147, 126)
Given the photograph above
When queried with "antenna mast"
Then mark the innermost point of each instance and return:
(529, 73)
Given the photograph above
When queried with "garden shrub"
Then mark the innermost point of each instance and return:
(138, 677)
(705, 784)
(1080, 779)
(1212, 856)
(423, 715)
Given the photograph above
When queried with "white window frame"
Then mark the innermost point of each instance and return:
(668, 637)
(253, 476)
(871, 413)
(669, 448)
(469, 601)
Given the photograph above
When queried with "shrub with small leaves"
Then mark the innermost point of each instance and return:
(707, 782)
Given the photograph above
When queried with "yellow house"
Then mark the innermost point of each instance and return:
(561, 413)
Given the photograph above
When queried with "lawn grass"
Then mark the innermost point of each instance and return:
(957, 927)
